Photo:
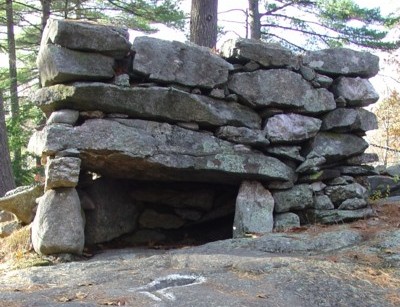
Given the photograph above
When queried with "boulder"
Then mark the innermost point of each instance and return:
(341, 180)
(122, 80)
(291, 128)
(62, 172)
(323, 202)
(243, 135)
(348, 120)
(60, 65)
(265, 54)
(357, 170)
(286, 221)
(322, 81)
(318, 186)
(322, 175)
(127, 147)
(254, 210)
(308, 73)
(7, 228)
(311, 165)
(176, 62)
(393, 170)
(383, 186)
(334, 146)
(155, 220)
(6, 216)
(286, 152)
(364, 158)
(115, 212)
(281, 88)
(353, 204)
(343, 61)
(87, 36)
(155, 103)
(65, 116)
(356, 91)
(337, 216)
(22, 202)
(297, 198)
(340, 193)
(176, 195)
(188, 214)
(58, 226)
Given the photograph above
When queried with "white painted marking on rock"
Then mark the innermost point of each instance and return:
(157, 291)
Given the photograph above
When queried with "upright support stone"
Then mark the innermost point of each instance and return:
(62, 172)
(58, 226)
(254, 208)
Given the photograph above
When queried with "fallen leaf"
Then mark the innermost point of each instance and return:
(64, 299)
(85, 284)
(113, 303)
(81, 295)
(388, 251)
(262, 295)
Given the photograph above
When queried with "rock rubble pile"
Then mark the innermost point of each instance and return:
(181, 136)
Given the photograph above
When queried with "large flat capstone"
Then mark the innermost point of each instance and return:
(155, 103)
(177, 62)
(151, 150)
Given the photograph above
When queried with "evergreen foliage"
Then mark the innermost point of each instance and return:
(325, 23)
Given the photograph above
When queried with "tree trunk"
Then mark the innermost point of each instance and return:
(255, 20)
(46, 4)
(7, 182)
(204, 22)
(12, 62)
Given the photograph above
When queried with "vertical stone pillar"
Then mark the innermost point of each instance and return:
(254, 210)
(59, 224)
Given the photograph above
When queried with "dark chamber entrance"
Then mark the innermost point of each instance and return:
(126, 212)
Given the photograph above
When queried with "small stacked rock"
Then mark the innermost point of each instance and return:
(166, 116)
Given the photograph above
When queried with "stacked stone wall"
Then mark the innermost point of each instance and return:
(163, 120)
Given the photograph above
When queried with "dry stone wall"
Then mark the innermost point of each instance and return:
(177, 133)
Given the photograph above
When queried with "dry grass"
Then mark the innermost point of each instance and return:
(16, 251)
(19, 241)
(382, 279)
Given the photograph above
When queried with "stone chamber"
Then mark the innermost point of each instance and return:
(164, 142)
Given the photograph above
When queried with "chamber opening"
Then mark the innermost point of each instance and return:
(126, 212)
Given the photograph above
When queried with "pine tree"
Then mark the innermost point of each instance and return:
(6, 176)
(320, 23)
